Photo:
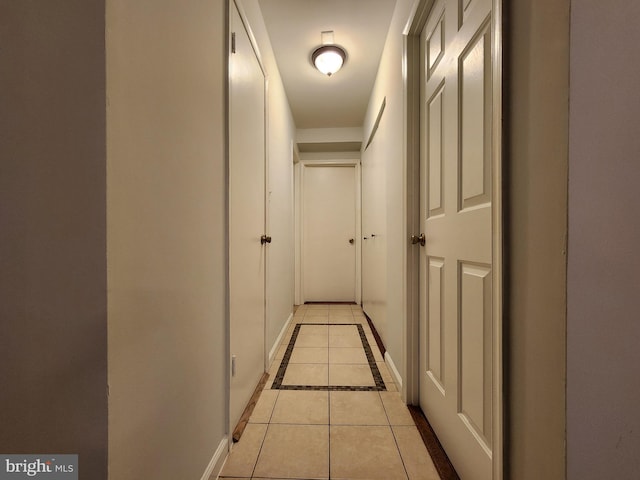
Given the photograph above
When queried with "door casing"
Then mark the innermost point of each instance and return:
(299, 220)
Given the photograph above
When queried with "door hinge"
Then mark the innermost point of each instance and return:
(233, 42)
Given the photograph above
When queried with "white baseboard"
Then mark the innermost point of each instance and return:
(394, 371)
(217, 461)
(274, 349)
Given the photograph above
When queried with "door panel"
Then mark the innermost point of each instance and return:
(246, 218)
(474, 340)
(329, 222)
(456, 273)
(475, 73)
(374, 234)
(435, 158)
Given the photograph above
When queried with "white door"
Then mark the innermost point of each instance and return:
(246, 217)
(457, 347)
(329, 233)
(374, 241)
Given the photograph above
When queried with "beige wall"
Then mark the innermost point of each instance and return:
(166, 197)
(53, 311)
(603, 391)
(537, 76)
(388, 187)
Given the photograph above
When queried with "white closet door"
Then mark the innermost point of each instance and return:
(246, 218)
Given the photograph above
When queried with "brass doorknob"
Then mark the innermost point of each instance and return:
(418, 239)
(265, 239)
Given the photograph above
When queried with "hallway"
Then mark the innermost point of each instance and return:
(330, 408)
(115, 247)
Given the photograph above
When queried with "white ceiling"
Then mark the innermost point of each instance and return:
(360, 27)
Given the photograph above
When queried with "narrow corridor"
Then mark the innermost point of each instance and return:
(330, 408)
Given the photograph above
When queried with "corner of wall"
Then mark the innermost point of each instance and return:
(536, 159)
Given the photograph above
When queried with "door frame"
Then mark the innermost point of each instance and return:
(301, 165)
(411, 338)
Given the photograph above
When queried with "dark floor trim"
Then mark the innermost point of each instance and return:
(375, 371)
(330, 303)
(376, 335)
(438, 455)
(244, 419)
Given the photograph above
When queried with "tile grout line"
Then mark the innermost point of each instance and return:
(328, 398)
(255, 465)
(393, 433)
(395, 439)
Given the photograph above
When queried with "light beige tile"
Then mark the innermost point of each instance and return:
(302, 407)
(365, 452)
(309, 355)
(273, 370)
(350, 375)
(347, 314)
(280, 352)
(342, 330)
(311, 340)
(397, 411)
(347, 355)
(352, 341)
(417, 460)
(317, 308)
(377, 355)
(306, 374)
(315, 319)
(391, 387)
(384, 371)
(244, 454)
(371, 339)
(290, 330)
(294, 451)
(264, 406)
(357, 408)
(341, 321)
(313, 329)
(340, 307)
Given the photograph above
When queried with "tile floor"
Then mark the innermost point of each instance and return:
(330, 409)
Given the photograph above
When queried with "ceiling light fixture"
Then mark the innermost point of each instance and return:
(329, 57)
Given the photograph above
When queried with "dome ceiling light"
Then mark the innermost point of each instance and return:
(329, 57)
